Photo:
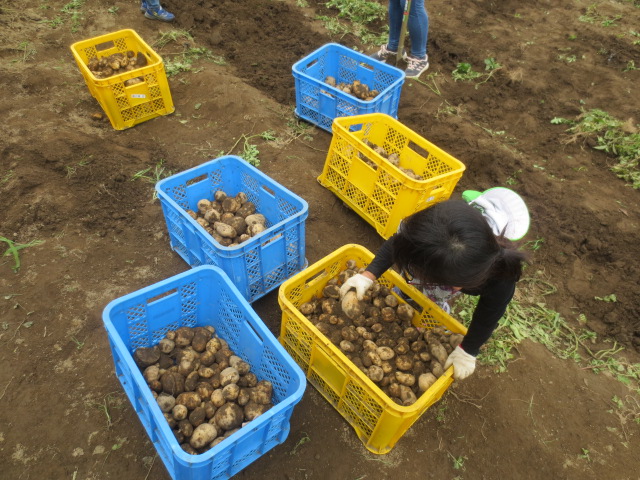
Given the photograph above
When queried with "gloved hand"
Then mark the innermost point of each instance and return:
(359, 282)
(463, 363)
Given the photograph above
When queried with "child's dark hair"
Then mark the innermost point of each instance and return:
(451, 243)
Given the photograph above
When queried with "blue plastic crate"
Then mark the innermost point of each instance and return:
(320, 103)
(257, 265)
(199, 297)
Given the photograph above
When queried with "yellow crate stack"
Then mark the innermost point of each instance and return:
(383, 194)
(126, 106)
(378, 421)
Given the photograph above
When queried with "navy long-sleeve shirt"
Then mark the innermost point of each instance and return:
(495, 295)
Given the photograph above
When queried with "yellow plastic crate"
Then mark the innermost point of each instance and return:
(382, 194)
(125, 106)
(377, 420)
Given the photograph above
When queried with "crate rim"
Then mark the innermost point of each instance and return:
(146, 392)
(119, 78)
(334, 351)
(200, 228)
(338, 127)
(360, 57)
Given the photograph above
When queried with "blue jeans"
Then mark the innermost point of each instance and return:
(418, 26)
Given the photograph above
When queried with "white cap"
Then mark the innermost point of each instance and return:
(504, 210)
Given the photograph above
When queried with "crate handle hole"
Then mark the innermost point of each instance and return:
(271, 240)
(105, 46)
(161, 296)
(418, 149)
(315, 277)
(199, 179)
(311, 63)
(269, 191)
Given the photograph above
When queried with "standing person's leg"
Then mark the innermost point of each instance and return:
(390, 49)
(155, 11)
(396, 11)
(418, 29)
(418, 61)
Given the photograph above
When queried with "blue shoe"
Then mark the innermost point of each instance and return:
(143, 6)
(159, 13)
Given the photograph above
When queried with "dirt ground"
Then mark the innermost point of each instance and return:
(68, 180)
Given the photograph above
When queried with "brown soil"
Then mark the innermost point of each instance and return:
(66, 178)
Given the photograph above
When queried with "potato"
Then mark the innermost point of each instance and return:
(425, 381)
(249, 380)
(230, 392)
(197, 416)
(406, 379)
(262, 392)
(375, 373)
(212, 215)
(405, 312)
(191, 400)
(253, 410)
(180, 412)
(256, 229)
(184, 335)
(166, 402)
(404, 362)
(230, 205)
(224, 230)
(351, 306)
(255, 219)
(172, 383)
(217, 398)
(185, 427)
(438, 351)
(229, 375)
(247, 208)
(229, 416)
(151, 373)
(203, 435)
(145, 356)
(240, 365)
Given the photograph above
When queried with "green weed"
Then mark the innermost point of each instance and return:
(301, 442)
(358, 14)
(6, 177)
(250, 151)
(13, 249)
(458, 462)
(183, 60)
(464, 72)
(534, 245)
(359, 11)
(608, 298)
(153, 175)
(612, 136)
(73, 10)
(27, 50)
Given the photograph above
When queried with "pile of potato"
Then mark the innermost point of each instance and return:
(204, 390)
(230, 220)
(378, 336)
(392, 158)
(356, 88)
(105, 67)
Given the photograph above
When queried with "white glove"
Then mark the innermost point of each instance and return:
(463, 363)
(359, 282)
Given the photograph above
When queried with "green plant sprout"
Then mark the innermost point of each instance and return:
(464, 71)
(608, 298)
(13, 248)
(153, 176)
(612, 136)
(250, 151)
